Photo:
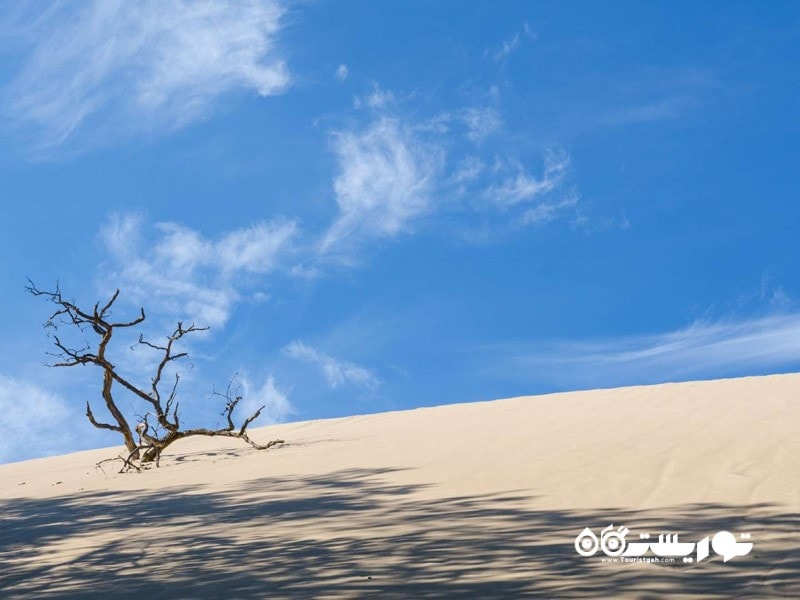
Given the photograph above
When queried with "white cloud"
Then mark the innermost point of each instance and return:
(267, 394)
(376, 99)
(395, 172)
(703, 349)
(35, 421)
(468, 170)
(336, 372)
(342, 72)
(481, 122)
(187, 275)
(546, 212)
(112, 68)
(510, 45)
(383, 185)
(659, 110)
(254, 249)
(121, 234)
(523, 187)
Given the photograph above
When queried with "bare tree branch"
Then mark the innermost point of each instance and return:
(251, 418)
(94, 422)
(168, 427)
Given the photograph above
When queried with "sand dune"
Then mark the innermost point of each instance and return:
(473, 500)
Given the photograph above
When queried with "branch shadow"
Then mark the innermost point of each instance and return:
(354, 533)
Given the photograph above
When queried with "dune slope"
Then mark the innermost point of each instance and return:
(482, 500)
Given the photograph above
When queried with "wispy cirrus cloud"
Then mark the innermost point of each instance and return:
(658, 94)
(511, 44)
(548, 211)
(397, 171)
(107, 69)
(275, 401)
(187, 274)
(376, 99)
(337, 372)
(35, 421)
(481, 122)
(703, 349)
(522, 187)
(670, 108)
(386, 176)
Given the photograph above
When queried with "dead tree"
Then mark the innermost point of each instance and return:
(163, 406)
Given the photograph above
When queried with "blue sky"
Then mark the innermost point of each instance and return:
(385, 205)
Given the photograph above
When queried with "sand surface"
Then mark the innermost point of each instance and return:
(471, 500)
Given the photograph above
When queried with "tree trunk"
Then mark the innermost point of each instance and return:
(130, 443)
(153, 452)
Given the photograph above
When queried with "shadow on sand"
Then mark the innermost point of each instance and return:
(352, 534)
